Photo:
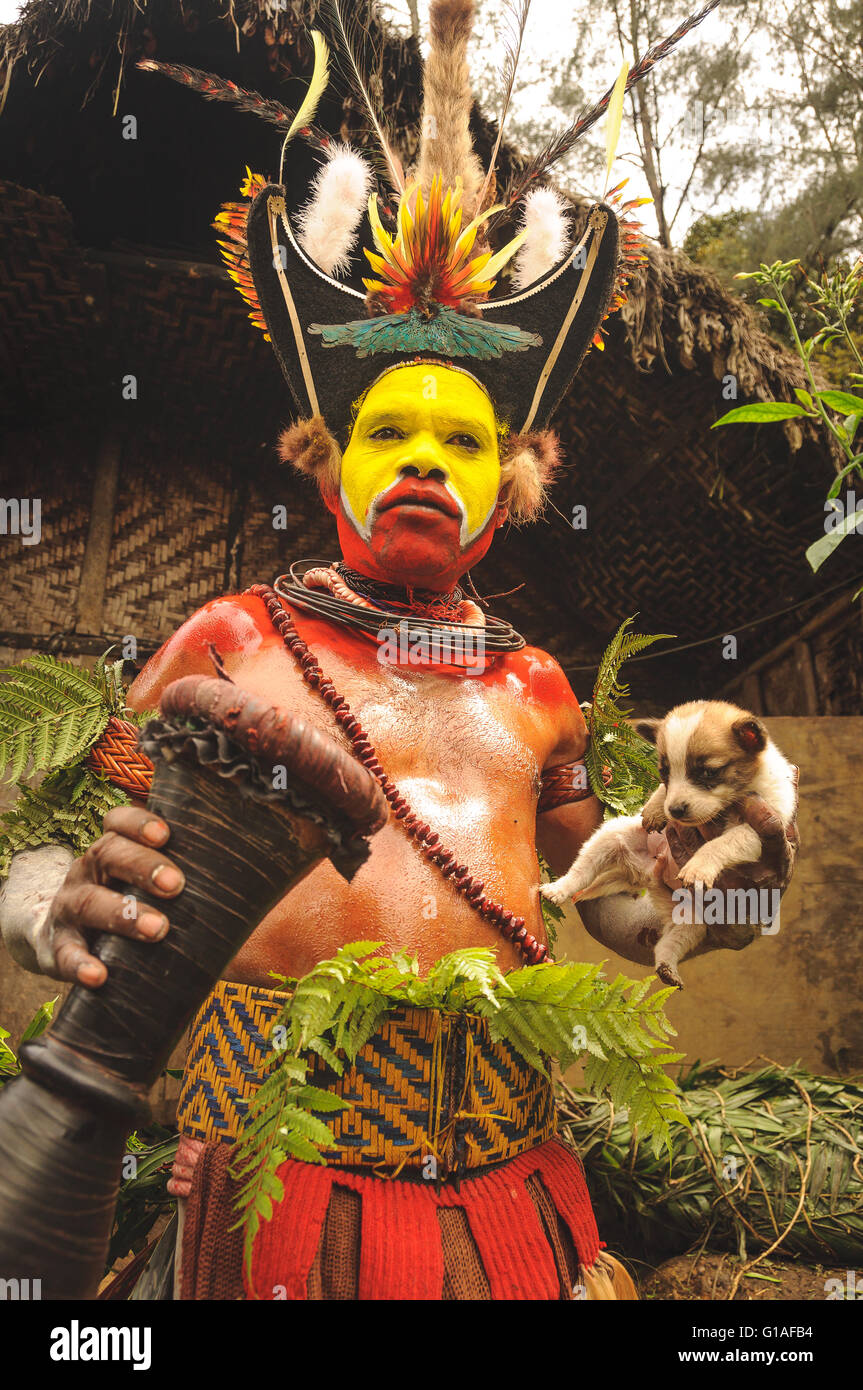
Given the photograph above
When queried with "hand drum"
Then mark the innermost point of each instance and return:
(254, 798)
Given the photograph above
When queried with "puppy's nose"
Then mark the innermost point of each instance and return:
(678, 809)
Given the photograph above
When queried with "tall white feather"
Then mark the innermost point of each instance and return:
(547, 240)
(327, 225)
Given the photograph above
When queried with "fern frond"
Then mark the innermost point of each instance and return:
(51, 712)
(552, 915)
(613, 741)
(462, 975)
(67, 807)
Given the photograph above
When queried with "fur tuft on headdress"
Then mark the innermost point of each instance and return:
(528, 464)
(445, 143)
(328, 223)
(310, 448)
(547, 237)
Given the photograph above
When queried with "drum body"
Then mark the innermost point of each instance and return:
(65, 1121)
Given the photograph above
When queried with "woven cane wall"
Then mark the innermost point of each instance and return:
(682, 522)
(170, 537)
(43, 310)
(838, 657)
(40, 582)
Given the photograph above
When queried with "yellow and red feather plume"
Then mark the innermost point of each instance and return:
(632, 252)
(429, 259)
(230, 222)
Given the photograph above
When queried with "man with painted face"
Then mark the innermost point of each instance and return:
(437, 401)
(420, 499)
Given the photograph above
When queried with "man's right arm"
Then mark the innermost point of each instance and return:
(52, 902)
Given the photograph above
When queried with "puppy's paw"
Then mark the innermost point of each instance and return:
(692, 877)
(701, 868)
(558, 892)
(668, 975)
(653, 820)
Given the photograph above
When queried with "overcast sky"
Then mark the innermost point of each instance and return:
(551, 28)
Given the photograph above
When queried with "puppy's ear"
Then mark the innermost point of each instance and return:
(648, 728)
(750, 733)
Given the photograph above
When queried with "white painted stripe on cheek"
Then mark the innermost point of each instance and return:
(364, 531)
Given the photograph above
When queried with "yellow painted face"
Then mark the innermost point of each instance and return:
(430, 424)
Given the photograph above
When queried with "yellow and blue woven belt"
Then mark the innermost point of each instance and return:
(427, 1085)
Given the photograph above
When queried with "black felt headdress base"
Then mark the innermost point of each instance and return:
(561, 313)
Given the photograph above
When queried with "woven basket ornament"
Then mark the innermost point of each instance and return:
(116, 755)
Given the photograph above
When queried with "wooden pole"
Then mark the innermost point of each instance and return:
(97, 553)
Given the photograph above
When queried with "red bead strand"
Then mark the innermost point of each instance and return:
(471, 889)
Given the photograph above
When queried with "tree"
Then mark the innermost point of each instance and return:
(758, 112)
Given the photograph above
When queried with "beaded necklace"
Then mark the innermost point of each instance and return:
(321, 589)
(511, 926)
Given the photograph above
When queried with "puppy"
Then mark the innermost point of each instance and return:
(711, 755)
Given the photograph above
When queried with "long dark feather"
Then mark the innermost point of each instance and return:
(561, 143)
(214, 88)
(352, 37)
(515, 19)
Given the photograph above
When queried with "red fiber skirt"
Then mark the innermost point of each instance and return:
(522, 1230)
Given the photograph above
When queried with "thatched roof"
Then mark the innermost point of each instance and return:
(111, 269)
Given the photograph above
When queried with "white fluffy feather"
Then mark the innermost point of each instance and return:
(327, 225)
(547, 240)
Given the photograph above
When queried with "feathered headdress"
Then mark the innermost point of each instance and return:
(432, 270)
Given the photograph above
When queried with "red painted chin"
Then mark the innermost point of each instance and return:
(413, 545)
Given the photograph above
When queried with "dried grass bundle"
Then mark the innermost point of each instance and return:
(772, 1163)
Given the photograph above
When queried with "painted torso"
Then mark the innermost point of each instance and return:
(466, 751)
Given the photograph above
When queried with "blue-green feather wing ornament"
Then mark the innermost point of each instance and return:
(448, 332)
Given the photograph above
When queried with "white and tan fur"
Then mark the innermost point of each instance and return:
(711, 755)
(446, 147)
(328, 223)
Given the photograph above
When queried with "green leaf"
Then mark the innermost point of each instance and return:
(68, 807)
(9, 1064)
(40, 1020)
(760, 413)
(51, 712)
(803, 397)
(823, 548)
(836, 486)
(613, 741)
(842, 400)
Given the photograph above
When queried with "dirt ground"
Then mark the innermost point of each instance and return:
(709, 1277)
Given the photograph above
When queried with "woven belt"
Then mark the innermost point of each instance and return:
(427, 1086)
